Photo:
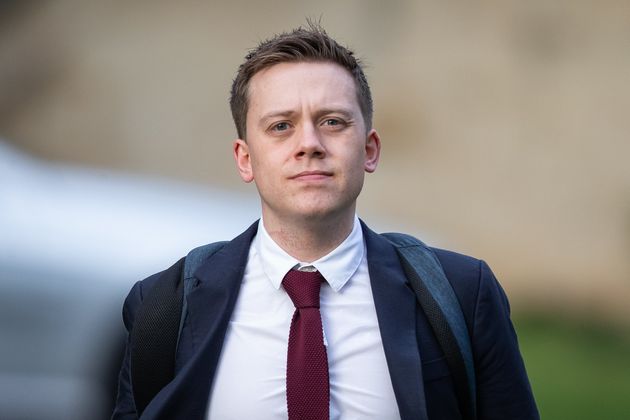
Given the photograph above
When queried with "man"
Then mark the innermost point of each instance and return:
(250, 347)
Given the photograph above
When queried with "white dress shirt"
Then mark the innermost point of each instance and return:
(250, 380)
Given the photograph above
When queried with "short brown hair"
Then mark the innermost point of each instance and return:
(299, 45)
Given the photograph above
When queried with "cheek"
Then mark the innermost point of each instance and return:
(259, 162)
(355, 163)
(267, 173)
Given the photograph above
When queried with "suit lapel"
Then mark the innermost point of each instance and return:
(396, 312)
(210, 306)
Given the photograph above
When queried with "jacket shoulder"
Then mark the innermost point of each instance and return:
(465, 274)
(136, 296)
(461, 270)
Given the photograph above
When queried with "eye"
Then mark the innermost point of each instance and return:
(281, 126)
(332, 122)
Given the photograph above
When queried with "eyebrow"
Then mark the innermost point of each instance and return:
(276, 114)
(346, 113)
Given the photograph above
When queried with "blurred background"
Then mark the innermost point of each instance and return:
(506, 136)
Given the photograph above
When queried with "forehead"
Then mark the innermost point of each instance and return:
(289, 85)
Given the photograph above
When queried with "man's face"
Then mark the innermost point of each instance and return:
(307, 147)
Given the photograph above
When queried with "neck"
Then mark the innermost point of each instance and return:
(309, 239)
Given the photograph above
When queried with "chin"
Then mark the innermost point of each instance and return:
(319, 214)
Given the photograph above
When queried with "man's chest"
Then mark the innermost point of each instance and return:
(251, 376)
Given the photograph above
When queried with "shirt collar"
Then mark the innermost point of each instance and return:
(337, 266)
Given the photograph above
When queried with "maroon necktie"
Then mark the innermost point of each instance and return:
(308, 393)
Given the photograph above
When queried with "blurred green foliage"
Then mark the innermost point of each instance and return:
(578, 370)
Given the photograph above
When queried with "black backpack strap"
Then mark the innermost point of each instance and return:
(154, 336)
(158, 324)
(437, 298)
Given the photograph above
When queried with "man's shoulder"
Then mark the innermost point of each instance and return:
(456, 262)
(471, 279)
(138, 292)
(450, 261)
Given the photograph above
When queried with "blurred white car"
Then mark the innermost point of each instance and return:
(72, 242)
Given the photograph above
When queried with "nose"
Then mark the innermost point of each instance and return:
(309, 142)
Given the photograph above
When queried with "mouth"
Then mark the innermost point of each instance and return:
(311, 175)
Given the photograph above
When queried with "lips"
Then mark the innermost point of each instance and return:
(312, 175)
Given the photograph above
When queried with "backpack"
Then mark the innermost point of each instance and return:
(158, 324)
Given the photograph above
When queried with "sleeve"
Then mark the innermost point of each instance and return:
(503, 389)
(125, 408)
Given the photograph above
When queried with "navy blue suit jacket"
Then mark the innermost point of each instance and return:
(420, 376)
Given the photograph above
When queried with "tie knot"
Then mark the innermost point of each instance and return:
(303, 287)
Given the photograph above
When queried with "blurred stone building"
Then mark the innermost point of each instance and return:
(505, 124)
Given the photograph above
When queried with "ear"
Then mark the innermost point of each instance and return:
(372, 151)
(243, 160)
